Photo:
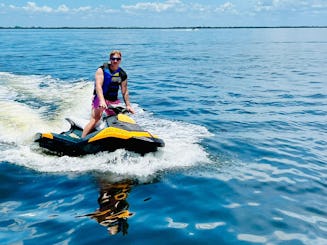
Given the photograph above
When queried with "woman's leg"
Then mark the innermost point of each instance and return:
(95, 117)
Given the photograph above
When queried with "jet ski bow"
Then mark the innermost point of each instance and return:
(117, 131)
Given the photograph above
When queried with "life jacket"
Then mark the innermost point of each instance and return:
(111, 83)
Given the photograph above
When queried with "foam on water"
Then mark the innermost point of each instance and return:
(26, 108)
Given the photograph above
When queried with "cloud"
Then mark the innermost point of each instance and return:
(319, 5)
(32, 7)
(179, 6)
(63, 9)
(83, 9)
(226, 7)
(168, 12)
(152, 6)
(282, 5)
(229, 7)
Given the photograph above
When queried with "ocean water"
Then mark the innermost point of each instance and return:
(243, 114)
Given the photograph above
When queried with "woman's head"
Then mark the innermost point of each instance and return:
(115, 53)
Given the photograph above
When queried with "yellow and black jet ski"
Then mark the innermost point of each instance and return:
(118, 131)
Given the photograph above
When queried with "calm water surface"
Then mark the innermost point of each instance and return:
(243, 114)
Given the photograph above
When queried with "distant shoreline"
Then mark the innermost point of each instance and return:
(164, 28)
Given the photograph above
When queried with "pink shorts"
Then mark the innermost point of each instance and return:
(96, 103)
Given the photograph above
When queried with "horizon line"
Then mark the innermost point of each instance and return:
(157, 27)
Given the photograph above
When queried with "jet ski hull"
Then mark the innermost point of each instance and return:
(121, 133)
(64, 146)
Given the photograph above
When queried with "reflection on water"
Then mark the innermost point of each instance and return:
(113, 206)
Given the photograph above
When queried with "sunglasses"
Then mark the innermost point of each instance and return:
(115, 58)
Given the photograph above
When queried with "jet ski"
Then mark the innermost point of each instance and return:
(114, 132)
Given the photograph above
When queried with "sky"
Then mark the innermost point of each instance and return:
(162, 13)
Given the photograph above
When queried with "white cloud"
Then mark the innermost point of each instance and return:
(179, 6)
(226, 7)
(63, 9)
(169, 12)
(152, 6)
(198, 7)
(319, 5)
(83, 9)
(276, 5)
(156, 6)
(32, 7)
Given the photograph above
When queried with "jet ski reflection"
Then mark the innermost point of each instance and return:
(113, 207)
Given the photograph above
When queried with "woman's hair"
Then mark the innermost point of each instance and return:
(113, 52)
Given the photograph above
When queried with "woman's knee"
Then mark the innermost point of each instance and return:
(96, 115)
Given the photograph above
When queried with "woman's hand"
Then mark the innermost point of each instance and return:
(103, 104)
(130, 109)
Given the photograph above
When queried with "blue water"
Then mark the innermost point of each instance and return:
(243, 114)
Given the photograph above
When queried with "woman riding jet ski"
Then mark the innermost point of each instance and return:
(119, 131)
